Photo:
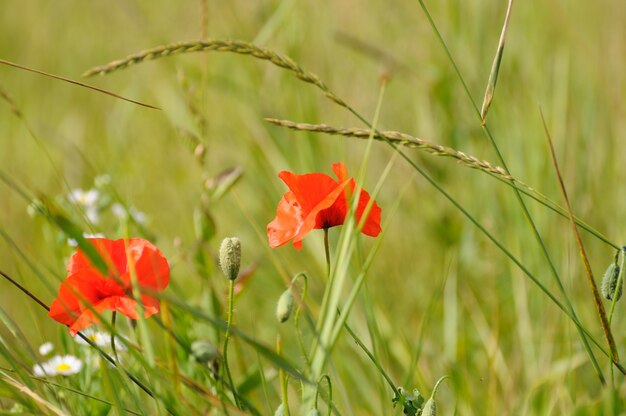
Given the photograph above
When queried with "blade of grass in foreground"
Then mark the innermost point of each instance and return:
(606, 327)
(43, 403)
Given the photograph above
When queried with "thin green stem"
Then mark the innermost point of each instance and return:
(327, 252)
(525, 210)
(284, 394)
(371, 357)
(296, 319)
(113, 349)
(330, 392)
(231, 295)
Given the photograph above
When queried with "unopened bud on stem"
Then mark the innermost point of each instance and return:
(284, 306)
(230, 257)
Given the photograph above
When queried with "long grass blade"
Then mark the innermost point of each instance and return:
(80, 84)
(597, 298)
(524, 208)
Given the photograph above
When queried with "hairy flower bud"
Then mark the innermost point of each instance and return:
(203, 351)
(609, 287)
(230, 257)
(284, 306)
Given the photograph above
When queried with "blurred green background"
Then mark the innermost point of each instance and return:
(507, 348)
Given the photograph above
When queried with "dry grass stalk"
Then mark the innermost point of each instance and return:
(216, 45)
(406, 140)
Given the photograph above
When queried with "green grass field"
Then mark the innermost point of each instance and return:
(458, 284)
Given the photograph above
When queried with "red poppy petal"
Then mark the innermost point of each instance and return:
(372, 222)
(74, 291)
(309, 189)
(287, 222)
(310, 221)
(112, 252)
(150, 305)
(89, 317)
(340, 171)
(151, 267)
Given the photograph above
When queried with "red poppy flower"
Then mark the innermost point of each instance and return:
(314, 201)
(86, 285)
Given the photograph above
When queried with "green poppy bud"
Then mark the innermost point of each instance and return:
(230, 257)
(203, 351)
(280, 410)
(314, 412)
(284, 306)
(609, 287)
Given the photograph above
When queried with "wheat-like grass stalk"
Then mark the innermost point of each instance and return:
(470, 161)
(407, 140)
(217, 45)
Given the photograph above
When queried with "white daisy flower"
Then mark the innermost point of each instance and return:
(88, 201)
(46, 348)
(85, 199)
(64, 365)
(100, 338)
(43, 370)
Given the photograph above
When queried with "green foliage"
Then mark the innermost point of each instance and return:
(430, 296)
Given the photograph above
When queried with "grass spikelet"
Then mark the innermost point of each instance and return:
(216, 45)
(495, 67)
(407, 141)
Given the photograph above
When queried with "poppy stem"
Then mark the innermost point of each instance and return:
(231, 293)
(113, 319)
(327, 250)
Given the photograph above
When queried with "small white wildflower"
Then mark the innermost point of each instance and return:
(85, 198)
(88, 201)
(64, 365)
(119, 345)
(43, 370)
(101, 339)
(118, 211)
(139, 216)
(92, 215)
(46, 348)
